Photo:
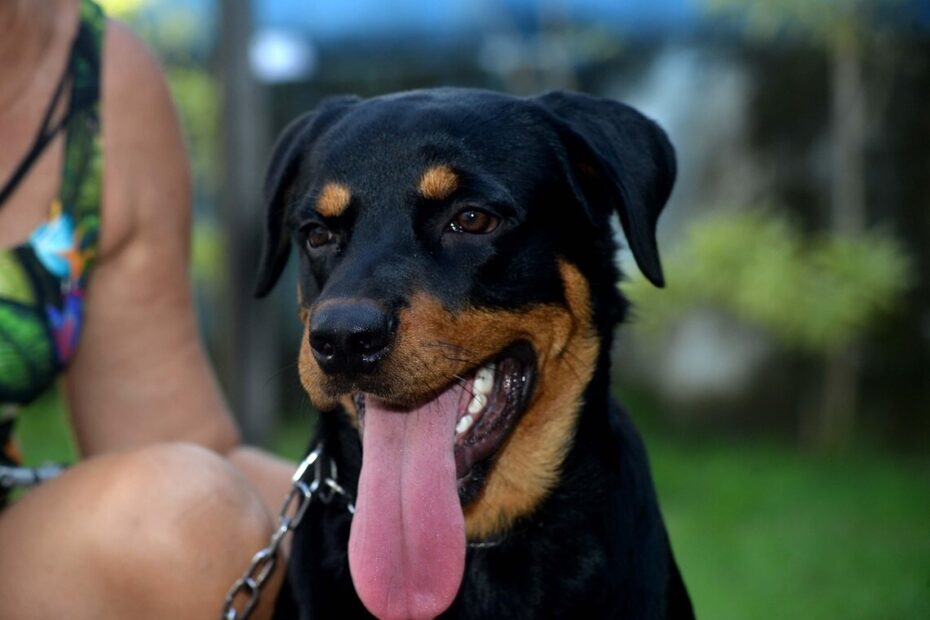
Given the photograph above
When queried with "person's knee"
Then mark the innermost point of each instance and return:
(180, 497)
(159, 532)
(176, 518)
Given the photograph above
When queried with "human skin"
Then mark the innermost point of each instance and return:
(159, 448)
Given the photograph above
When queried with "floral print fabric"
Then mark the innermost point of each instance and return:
(43, 280)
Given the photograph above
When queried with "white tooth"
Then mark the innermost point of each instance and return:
(464, 424)
(478, 401)
(484, 379)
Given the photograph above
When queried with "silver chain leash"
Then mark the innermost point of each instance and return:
(244, 594)
(14, 476)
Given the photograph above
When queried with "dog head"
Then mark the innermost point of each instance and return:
(457, 287)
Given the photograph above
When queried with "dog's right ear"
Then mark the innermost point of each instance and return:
(286, 157)
(621, 159)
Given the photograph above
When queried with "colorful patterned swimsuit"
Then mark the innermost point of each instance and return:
(43, 280)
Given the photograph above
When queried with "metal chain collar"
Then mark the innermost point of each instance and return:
(12, 476)
(244, 594)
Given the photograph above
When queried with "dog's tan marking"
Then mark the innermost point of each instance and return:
(528, 466)
(438, 182)
(303, 315)
(350, 409)
(334, 198)
(433, 344)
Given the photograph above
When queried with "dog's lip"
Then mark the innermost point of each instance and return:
(514, 381)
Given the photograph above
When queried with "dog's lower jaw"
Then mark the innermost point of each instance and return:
(529, 464)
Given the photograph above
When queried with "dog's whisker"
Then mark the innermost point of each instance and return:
(450, 345)
(462, 381)
(571, 359)
(463, 360)
(277, 374)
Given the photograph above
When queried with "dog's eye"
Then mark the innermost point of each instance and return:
(474, 221)
(318, 236)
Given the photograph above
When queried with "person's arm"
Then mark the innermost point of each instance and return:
(140, 375)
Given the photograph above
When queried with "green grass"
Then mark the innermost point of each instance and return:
(763, 532)
(42, 433)
(760, 531)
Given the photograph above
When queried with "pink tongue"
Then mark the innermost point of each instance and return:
(407, 545)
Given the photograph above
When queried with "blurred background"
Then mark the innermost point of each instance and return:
(781, 379)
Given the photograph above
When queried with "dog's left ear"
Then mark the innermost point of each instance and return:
(617, 155)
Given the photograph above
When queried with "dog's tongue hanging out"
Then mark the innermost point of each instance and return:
(407, 545)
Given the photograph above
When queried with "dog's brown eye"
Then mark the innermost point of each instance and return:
(474, 221)
(319, 236)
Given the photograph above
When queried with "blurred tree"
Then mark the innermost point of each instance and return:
(845, 29)
(816, 294)
(252, 336)
(122, 8)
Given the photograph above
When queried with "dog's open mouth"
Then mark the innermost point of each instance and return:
(494, 397)
(407, 543)
(500, 391)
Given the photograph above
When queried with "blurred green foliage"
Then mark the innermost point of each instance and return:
(208, 263)
(817, 293)
(122, 8)
(825, 21)
(196, 95)
(174, 35)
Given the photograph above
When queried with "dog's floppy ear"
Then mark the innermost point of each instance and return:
(617, 153)
(287, 155)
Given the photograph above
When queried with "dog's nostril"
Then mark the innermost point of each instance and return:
(366, 343)
(322, 346)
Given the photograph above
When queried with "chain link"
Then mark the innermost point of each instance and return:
(244, 594)
(14, 476)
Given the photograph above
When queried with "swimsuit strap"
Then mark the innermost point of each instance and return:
(47, 132)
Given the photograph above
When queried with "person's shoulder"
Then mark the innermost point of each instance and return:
(130, 69)
(144, 154)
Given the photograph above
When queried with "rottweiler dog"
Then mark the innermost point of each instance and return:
(459, 294)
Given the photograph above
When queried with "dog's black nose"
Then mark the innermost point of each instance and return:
(350, 337)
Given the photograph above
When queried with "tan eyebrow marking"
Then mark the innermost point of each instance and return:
(333, 200)
(438, 182)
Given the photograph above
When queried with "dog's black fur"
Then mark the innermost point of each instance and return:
(553, 168)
